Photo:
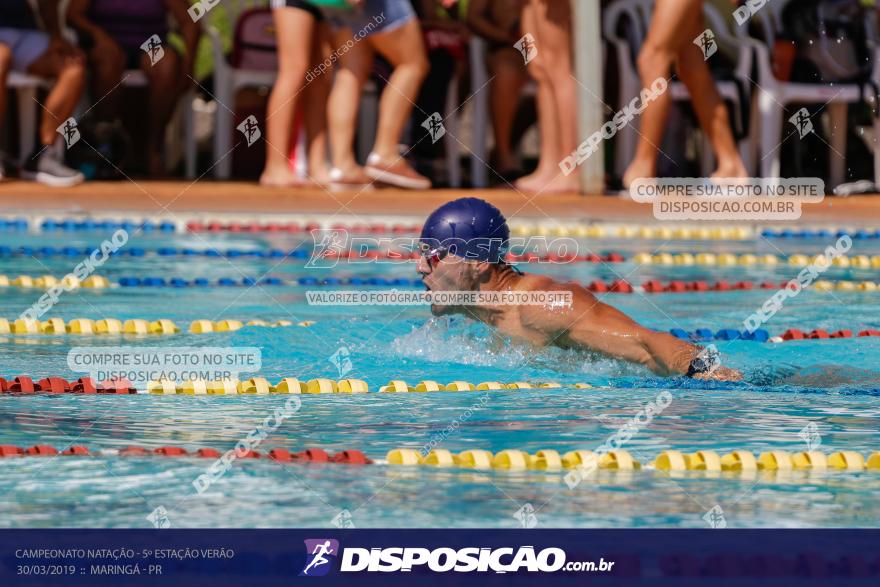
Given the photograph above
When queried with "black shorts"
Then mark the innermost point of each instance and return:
(301, 4)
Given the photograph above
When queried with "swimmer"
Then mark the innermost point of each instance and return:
(463, 244)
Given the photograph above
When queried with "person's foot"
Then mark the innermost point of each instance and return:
(349, 178)
(560, 184)
(637, 170)
(320, 175)
(734, 169)
(47, 167)
(280, 179)
(548, 183)
(535, 180)
(397, 173)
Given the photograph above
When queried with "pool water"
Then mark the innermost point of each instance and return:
(832, 384)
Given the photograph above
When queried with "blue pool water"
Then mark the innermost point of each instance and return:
(832, 384)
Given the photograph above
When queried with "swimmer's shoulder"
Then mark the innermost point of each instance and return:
(551, 316)
(532, 282)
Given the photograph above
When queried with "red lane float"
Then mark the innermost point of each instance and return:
(377, 228)
(309, 455)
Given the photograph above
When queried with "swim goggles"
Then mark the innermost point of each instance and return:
(433, 256)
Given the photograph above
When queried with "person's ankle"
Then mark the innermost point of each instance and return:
(347, 165)
(276, 168)
(384, 155)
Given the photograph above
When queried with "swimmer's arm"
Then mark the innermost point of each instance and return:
(595, 326)
(611, 332)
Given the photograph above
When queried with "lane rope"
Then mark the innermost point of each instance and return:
(706, 461)
(256, 386)
(297, 254)
(749, 260)
(182, 222)
(684, 259)
(136, 326)
(761, 335)
(653, 286)
(309, 455)
(139, 326)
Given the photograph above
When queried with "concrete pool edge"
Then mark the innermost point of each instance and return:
(235, 199)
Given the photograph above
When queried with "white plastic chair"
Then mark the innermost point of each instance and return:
(26, 88)
(774, 95)
(629, 83)
(228, 81)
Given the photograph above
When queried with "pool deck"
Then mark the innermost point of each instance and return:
(247, 198)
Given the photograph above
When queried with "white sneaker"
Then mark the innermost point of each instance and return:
(48, 169)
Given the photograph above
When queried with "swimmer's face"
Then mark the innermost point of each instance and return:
(450, 273)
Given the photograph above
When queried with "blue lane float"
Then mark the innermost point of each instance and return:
(788, 233)
(71, 225)
(706, 334)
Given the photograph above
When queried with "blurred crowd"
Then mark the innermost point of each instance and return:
(84, 55)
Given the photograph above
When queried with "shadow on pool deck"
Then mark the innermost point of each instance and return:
(153, 197)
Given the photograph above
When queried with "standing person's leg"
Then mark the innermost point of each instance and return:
(164, 80)
(404, 49)
(710, 108)
(674, 27)
(508, 78)
(294, 31)
(5, 67)
(317, 93)
(663, 44)
(550, 154)
(553, 19)
(352, 72)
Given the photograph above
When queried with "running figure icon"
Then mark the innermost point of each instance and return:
(319, 559)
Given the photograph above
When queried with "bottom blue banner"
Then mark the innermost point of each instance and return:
(439, 557)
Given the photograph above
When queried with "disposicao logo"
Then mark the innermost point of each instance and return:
(320, 554)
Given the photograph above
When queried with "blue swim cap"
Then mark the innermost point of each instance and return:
(468, 227)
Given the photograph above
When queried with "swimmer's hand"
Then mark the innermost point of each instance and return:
(720, 374)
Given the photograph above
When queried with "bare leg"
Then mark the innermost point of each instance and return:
(106, 68)
(294, 33)
(508, 79)
(710, 108)
(404, 49)
(5, 68)
(673, 29)
(554, 39)
(70, 75)
(316, 95)
(163, 94)
(544, 101)
(353, 70)
(551, 68)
